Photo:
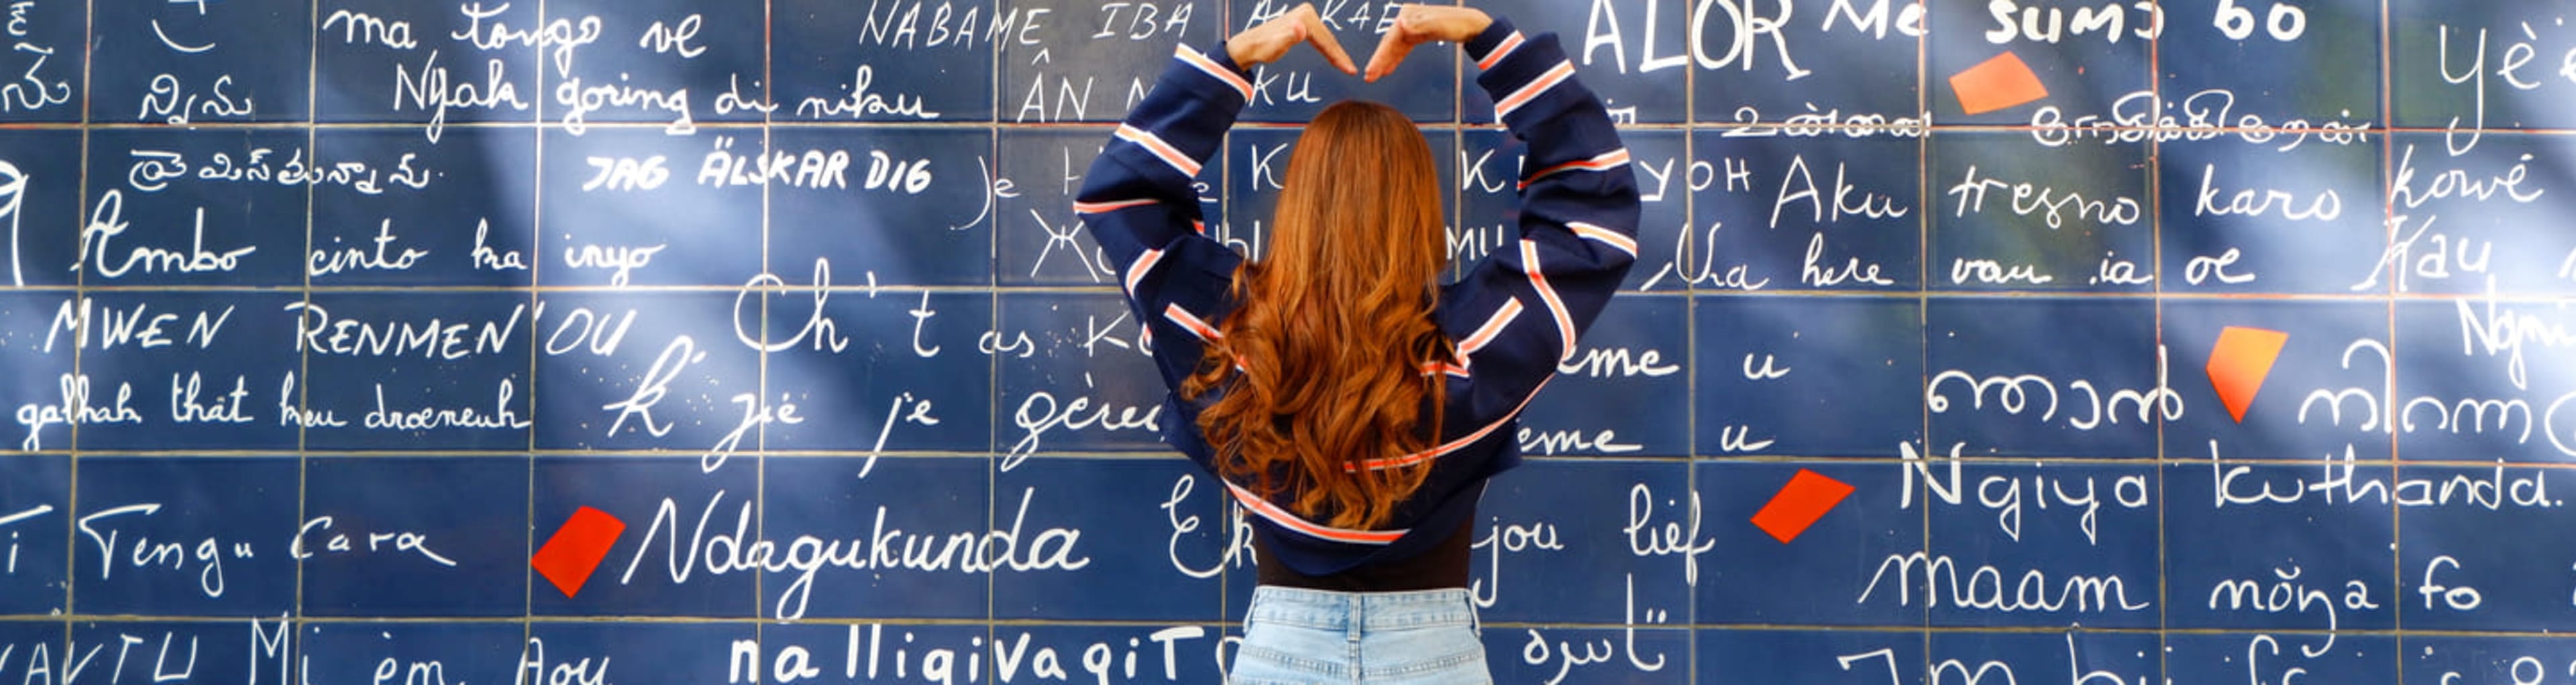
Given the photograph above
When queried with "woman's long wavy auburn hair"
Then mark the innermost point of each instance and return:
(1321, 365)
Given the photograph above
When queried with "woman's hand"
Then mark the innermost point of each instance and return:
(1272, 39)
(1418, 24)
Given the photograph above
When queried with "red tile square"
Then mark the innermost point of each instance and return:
(1806, 498)
(577, 548)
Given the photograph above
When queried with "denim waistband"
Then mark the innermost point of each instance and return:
(1363, 611)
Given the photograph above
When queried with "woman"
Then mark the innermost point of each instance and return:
(1350, 403)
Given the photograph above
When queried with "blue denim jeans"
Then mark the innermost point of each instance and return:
(1295, 636)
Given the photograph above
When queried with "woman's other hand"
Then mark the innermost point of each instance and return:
(1272, 39)
(1418, 24)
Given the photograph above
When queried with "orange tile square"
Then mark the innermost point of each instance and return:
(1996, 84)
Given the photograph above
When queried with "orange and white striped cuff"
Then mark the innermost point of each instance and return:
(1194, 58)
(1501, 50)
(1548, 79)
(1614, 239)
(1173, 156)
(1601, 162)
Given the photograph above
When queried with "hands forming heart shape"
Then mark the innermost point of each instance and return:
(1414, 25)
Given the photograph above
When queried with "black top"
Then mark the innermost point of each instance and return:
(1444, 565)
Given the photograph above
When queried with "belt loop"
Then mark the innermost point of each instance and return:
(1358, 615)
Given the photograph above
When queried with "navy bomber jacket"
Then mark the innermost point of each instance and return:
(1513, 317)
